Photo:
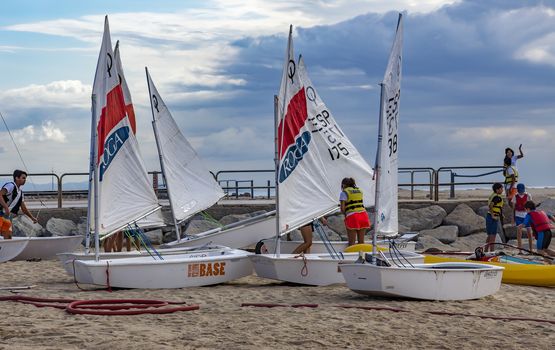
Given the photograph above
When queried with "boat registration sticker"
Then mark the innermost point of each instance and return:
(490, 274)
(206, 269)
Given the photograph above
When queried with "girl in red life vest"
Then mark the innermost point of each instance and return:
(539, 222)
(352, 206)
(518, 201)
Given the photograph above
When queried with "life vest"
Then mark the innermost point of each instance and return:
(520, 201)
(497, 201)
(539, 221)
(509, 178)
(354, 202)
(13, 200)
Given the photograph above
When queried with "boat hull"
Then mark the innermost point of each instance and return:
(318, 247)
(10, 248)
(442, 281)
(240, 236)
(522, 274)
(47, 247)
(310, 269)
(66, 259)
(175, 271)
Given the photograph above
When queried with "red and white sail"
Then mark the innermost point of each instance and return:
(386, 202)
(191, 187)
(315, 154)
(125, 192)
(126, 93)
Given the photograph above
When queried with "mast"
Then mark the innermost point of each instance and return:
(161, 157)
(92, 162)
(276, 161)
(94, 157)
(378, 171)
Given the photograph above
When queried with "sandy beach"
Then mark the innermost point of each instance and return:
(221, 322)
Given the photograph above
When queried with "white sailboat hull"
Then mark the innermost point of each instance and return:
(10, 248)
(175, 271)
(66, 259)
(237, 235)
(47, 247)
(318, 247)
(442, 281)
(313, 269)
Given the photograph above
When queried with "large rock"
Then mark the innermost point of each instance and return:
(422, 219)
(337, 224)
(470, 242)
(61, 227)
(230, 219)
(198, 226)
(548, 206)
(445, 234)
(156, 237)
(428, 242)
(466, 219)
(24, 227)
(482, 211)
(82, 226)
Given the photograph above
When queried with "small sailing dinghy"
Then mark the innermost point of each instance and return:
(121, 168)
(379, 276)
(46, 247)
(313, 155)
(10, 248)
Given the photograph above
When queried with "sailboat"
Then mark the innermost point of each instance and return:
(377, 275)
(10, 248)
(313, 155)
(120, 169)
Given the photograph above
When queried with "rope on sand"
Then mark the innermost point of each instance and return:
(106, 307)
(393, 309)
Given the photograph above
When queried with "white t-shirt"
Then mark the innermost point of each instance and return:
(513, 160)
(9, 187)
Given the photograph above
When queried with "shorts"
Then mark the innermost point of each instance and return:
(357, 221)
(491, 225)
(519, 220)
(5, 224)
(311, 225)
(544, 240)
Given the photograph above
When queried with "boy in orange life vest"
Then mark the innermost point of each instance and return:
(538, 222)
(518, 201)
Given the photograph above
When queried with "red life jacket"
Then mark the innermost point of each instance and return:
(520, 201)
(539, 221)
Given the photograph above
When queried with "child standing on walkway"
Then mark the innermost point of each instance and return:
(511, 180)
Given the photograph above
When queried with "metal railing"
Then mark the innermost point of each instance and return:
(233, 186)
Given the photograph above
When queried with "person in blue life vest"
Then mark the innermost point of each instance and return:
(495, 211)
(518, 201)
(357, 221)
(538, 222)
(11, 200)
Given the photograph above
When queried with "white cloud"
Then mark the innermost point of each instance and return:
(62, 94)
(31, 134)
(237, 143)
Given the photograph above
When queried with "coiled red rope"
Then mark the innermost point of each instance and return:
(107, 307)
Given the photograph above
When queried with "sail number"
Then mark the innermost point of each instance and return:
(323, 123)
(392, 115)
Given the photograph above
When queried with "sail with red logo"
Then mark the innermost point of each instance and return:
(125, 89)
(315, 154)
(124, 193)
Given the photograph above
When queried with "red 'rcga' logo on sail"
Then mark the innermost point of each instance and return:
(291, 145)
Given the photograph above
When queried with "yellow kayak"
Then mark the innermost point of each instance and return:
(515, 273)
(366, 247)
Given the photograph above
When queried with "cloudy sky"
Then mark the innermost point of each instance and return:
(478, 76)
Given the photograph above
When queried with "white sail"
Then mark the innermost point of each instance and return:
(312, 188)
(125, 192)
(387, 190)
(191, 186)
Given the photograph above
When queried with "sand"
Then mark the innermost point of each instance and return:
(222, 323)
